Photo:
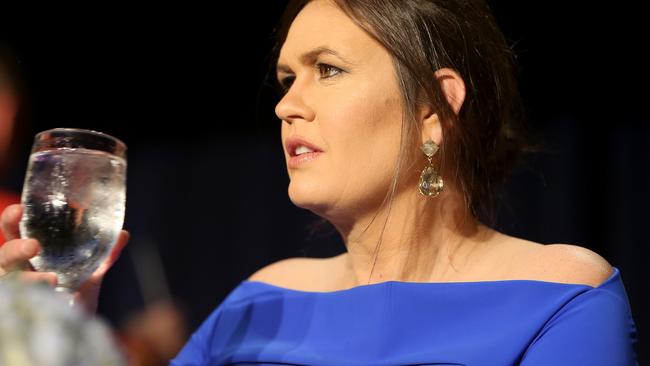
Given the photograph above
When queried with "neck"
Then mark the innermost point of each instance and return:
(415, 238)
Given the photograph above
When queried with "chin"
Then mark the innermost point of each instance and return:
(309, 197)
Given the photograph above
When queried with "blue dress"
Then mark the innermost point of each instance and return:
(509, 322)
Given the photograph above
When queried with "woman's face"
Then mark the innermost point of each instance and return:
(342, 97)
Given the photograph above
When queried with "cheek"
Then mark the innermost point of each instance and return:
(363, 134)
(364, 116)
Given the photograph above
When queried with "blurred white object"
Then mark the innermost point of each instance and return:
(37, 327)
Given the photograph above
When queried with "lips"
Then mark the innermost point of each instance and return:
(292, 143)
(295, 161)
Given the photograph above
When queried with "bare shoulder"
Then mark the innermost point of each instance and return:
(296, 273)
(280, 272)
(566, 263)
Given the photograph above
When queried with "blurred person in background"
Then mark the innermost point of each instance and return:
(10, 131)
(154, 335)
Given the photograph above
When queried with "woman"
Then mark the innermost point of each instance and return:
(372, 89)
(399, 119)
(368, 86)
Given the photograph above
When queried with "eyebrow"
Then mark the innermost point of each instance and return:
(310, 56)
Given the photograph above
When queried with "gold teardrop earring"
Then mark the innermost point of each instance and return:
(431, 183)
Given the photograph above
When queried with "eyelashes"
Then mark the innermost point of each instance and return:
(325, 71)
(329, 68)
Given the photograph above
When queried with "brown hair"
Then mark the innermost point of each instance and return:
(484, 142)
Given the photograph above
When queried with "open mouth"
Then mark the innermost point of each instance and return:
(301, 151)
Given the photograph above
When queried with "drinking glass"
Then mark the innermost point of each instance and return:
(74, 201)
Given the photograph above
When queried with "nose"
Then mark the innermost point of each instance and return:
(294, 107)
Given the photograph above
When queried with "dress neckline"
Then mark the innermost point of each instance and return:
(611, 278)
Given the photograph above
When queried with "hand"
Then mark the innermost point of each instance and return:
(15, 253)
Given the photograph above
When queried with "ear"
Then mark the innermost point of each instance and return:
(453, 87)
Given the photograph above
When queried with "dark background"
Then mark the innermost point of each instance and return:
(183, 87)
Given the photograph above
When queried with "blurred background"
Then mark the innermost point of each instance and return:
(207, 205)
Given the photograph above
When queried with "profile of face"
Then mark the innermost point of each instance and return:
(342, 97)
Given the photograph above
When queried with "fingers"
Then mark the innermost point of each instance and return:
(9, 221)
(47, 277)
(16, 252)
(122, 239)
(89, 290)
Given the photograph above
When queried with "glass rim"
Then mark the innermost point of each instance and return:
(119, 142)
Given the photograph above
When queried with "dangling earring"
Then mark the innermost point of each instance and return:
(430, 181)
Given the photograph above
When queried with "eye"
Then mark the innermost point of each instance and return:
(327, 71)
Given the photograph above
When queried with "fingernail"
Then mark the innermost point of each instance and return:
(54, 280)
(30, 248)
